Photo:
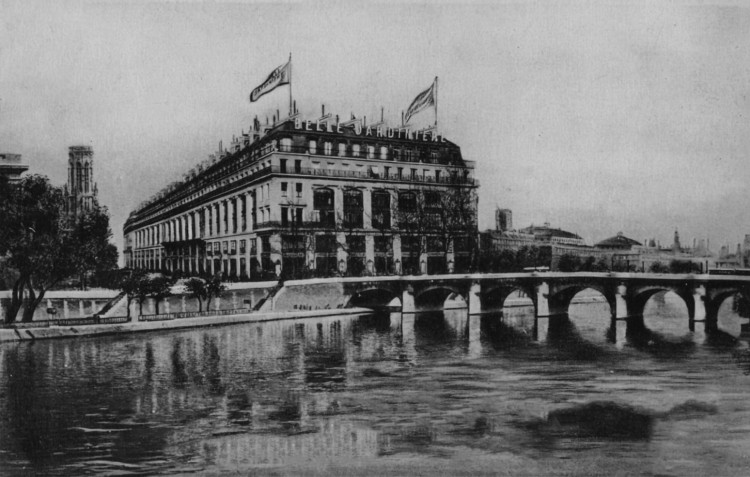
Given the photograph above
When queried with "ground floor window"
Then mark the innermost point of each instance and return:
(326, 266)
(436, 265)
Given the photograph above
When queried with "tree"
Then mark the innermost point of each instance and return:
(214, 288)
(158, 287)
(415, 221)
(94, 252)
(454, 212)
(35, 239)
(197, 288)
(42, 244)
(131, 285)
(684, 266)
(568, 263)
(658, 267)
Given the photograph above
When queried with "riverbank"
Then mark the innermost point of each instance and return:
(56, 332)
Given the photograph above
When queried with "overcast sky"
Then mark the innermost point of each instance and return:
(596, 117)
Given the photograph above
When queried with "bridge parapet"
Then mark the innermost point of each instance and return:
(550, 292)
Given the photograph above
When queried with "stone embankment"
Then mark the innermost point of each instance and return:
(240, 303)
(51, 332)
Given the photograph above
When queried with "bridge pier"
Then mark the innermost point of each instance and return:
(699, 307)
(407, 300)
(542, 305)
(474, 301)
(711, 321)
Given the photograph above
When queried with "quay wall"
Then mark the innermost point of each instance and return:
(54, 332)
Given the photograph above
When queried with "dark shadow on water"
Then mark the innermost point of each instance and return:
(719, 340)
(598, 420)
(502, 336)
(608, 421)
(659, 345)
(742, 360)
(563, 336)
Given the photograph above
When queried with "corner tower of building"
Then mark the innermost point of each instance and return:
(80, 191)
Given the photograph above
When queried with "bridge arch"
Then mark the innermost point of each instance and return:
(713, 302)
(434, 297)
(493, 298)
(560, 296)
(637, 299)
(376, 298)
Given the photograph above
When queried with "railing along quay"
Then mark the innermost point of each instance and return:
(111, 320)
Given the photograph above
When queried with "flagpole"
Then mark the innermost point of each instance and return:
(290, 84)
(436, 101)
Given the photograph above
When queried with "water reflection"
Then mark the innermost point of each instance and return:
(338, 390)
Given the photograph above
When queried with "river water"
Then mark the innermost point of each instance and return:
(431, 394)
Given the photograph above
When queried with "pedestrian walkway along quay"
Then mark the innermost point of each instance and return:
(29, 332)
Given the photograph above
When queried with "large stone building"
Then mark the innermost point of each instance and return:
(310, 196)
(80, 191)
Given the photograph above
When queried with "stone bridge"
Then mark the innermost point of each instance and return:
(550, 292)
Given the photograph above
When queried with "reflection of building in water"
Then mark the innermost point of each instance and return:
(332, 439)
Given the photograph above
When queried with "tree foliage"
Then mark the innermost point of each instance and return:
(131, 284)
(658, 267)
(196, 287)
(42, 244)
(505, 261)
(214, 288)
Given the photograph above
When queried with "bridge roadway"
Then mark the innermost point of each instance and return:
(550, 292)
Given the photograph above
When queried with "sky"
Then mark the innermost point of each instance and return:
(598, 117)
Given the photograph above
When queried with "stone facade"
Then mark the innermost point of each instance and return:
(315, 196)
(80, 191)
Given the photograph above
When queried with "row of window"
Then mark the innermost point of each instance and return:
(368, 151)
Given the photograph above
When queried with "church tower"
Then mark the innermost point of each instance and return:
(81, 191)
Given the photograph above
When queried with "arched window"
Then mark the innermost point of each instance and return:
(79, 177)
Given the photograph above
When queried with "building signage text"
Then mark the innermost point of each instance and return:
(378, 131)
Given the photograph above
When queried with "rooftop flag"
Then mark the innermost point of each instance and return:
(278, 77)
(423, 100)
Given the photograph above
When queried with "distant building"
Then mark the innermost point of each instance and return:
(618, 242)
(554, 242)
(503, 219)
(80, 191)
(699, 254)
(546, 234)
(11, 166)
